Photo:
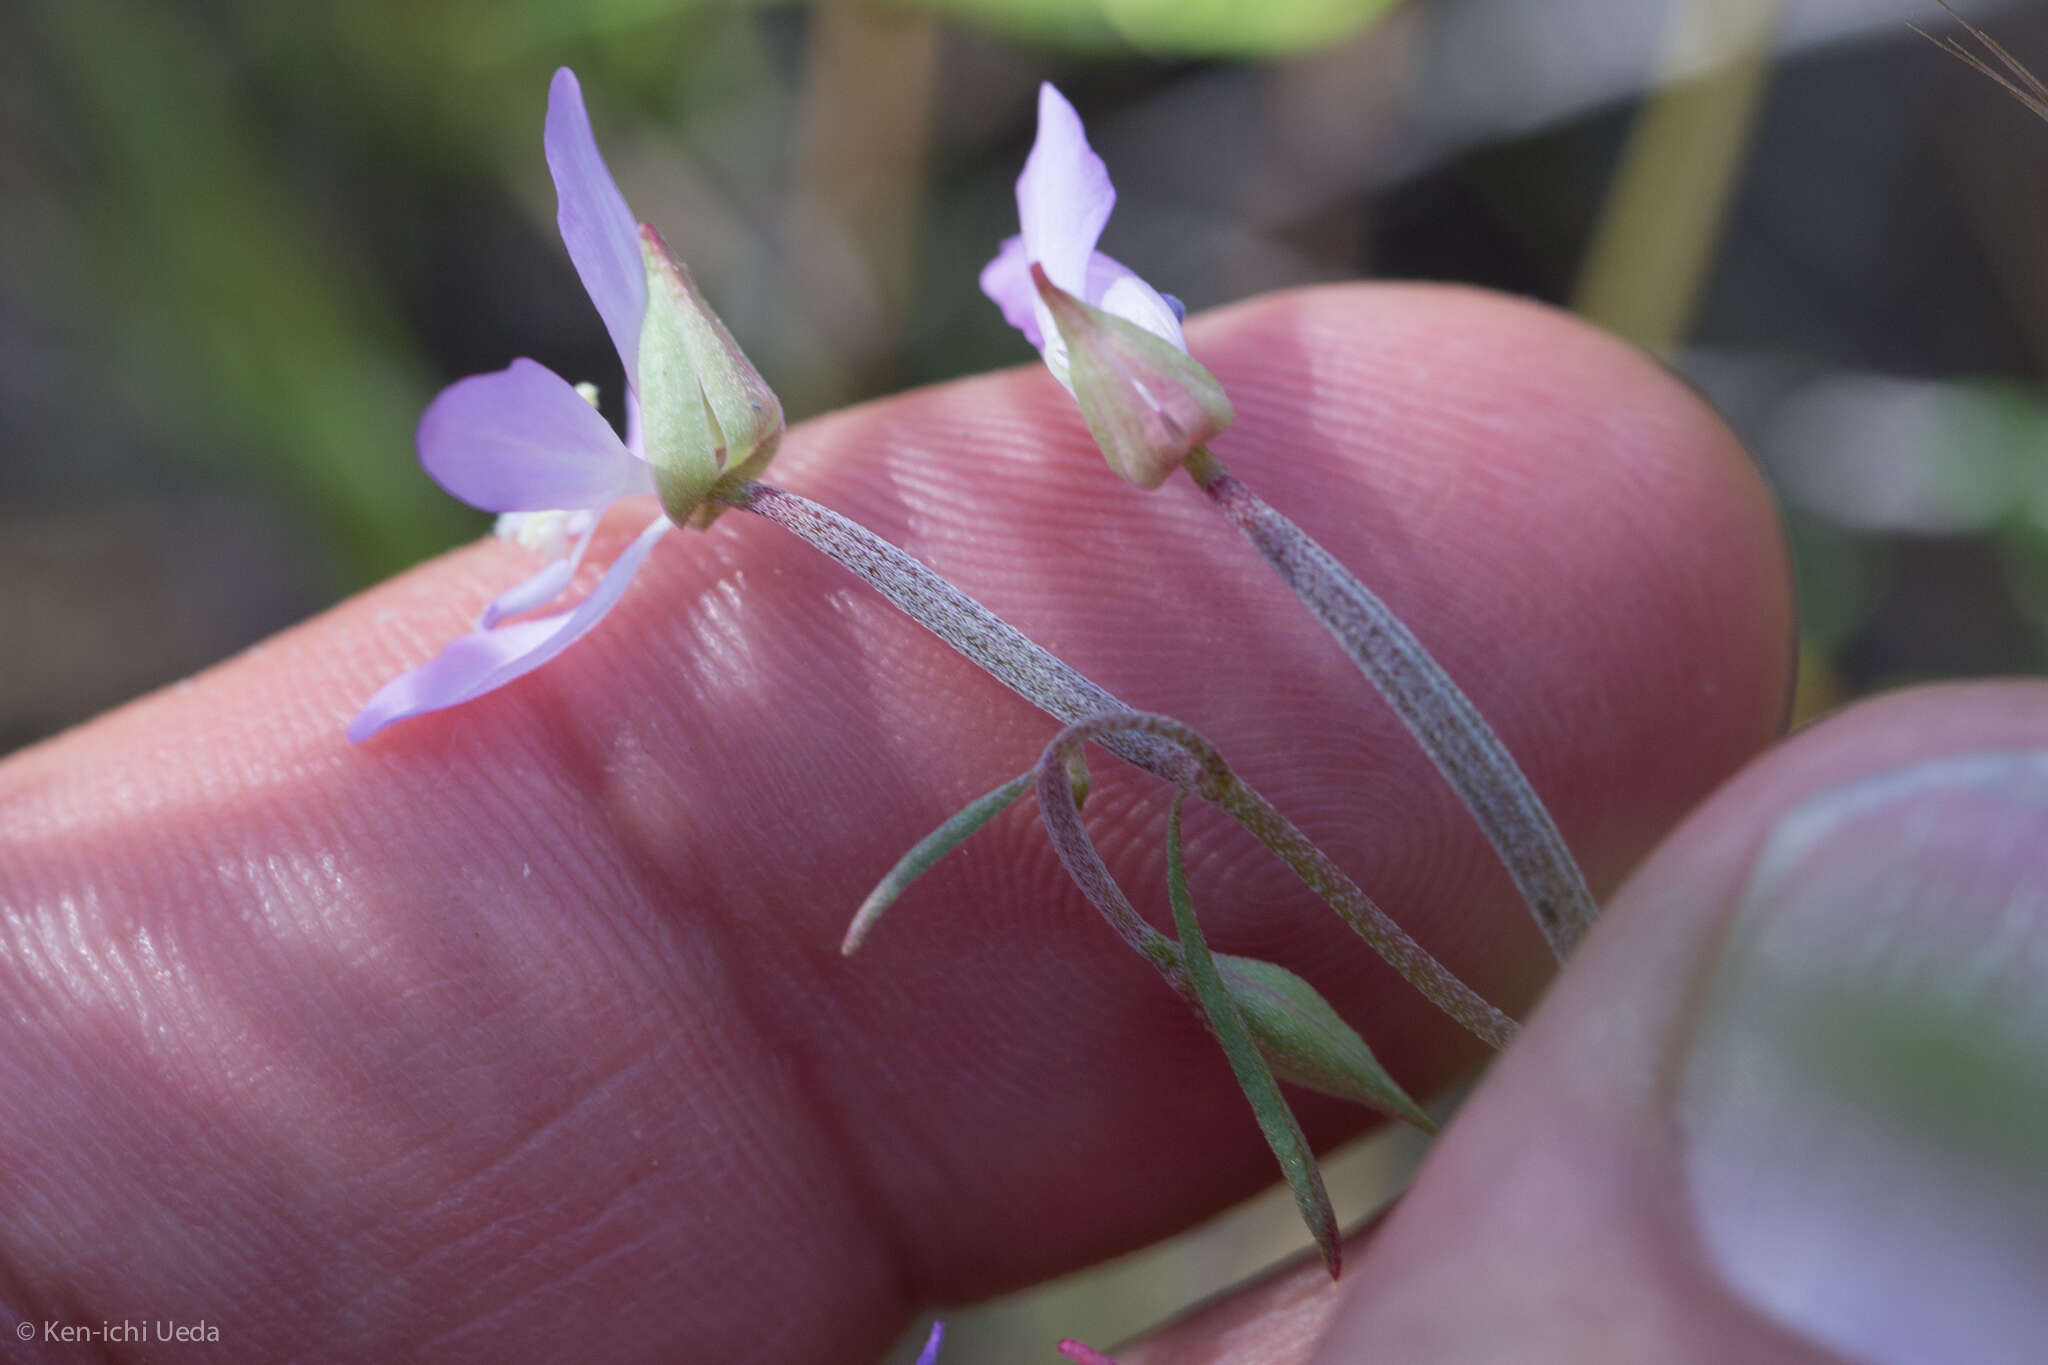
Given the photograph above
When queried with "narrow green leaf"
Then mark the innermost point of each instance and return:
(1276, 1120)
(928, 851)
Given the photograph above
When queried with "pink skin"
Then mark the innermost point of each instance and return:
(522, 1033)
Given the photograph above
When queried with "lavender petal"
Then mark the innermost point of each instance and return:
(1007, 282)
(596, 225)
(1116, 289)
(521, 440)
(1064, 196)
(486, 659)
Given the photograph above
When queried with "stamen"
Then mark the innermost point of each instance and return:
(545, 533)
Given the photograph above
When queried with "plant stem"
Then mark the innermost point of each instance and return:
(1041, 678)
(976, 633)
(1443, 720)
(1223, 788)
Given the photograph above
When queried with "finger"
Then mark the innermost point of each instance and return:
(1791, 1097)
(537, 1001)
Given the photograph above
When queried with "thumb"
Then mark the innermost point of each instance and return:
(1789, 1103)
(1795, 1096)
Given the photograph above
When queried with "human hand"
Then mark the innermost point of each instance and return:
(522, 1031)
(1790, 1099)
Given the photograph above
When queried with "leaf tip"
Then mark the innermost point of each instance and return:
(863, 923)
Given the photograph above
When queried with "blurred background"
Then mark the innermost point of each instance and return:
(243, 243)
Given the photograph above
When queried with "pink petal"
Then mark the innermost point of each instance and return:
(596, 225)
(1007, 282)
(486, 659)
(1064, 196)
(521, 440)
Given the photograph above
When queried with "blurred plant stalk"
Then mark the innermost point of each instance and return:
(1658, 231)
(857, 195)
(260, 340)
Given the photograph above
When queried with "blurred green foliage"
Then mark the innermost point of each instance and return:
(1173, 28)
(239, 312)
(277, 348)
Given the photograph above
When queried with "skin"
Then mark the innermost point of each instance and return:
(521, 1031)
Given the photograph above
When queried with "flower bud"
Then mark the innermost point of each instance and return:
(707, 417)
(1147, 402)
(1304, 1041)
(1077, 776)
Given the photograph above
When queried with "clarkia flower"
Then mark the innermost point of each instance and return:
(1064, 200)
(524, 443)
(1111, 339)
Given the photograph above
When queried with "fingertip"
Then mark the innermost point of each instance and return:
(1770, 1110)
(1569, 528)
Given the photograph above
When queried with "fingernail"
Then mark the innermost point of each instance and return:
(1864, 1097)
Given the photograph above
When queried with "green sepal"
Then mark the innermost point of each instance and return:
(707, 418)
(1276, 1120)
(1147, 402)
(1307, 1043)
(676, 431)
